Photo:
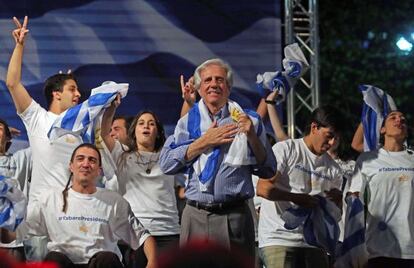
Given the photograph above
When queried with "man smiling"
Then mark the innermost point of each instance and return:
(49, 158)
(217, 191)
(84, 223)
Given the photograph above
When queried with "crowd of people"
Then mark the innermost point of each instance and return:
(217, 148)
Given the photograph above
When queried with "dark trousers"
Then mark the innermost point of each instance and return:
(164, 243)
(233, 227)
(383, 262)
(103, 259)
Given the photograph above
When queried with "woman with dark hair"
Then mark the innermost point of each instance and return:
(383, 178)
(141, 182)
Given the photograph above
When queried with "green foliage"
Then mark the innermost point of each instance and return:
(357, 46)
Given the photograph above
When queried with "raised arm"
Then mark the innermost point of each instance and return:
(358, 139)
(274, 118)
(20, 96)
(106, 124)
(189, 95)
(262, 109)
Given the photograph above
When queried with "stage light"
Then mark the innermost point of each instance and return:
(404, 45)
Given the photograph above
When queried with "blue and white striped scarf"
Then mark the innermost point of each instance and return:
(81, 120)
(352, 252)
(295, 65)
(377, 105)
(320, 224)
(12, 204)
(205, 167)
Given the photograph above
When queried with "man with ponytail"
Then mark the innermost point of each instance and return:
(49, 158)
(84, 223)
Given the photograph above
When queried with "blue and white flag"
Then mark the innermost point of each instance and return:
(320, 224)
(147, 43)
(377, 105)
(82, 119)
(352, 252)
(295, 65)
(12, 204)
(205, 167)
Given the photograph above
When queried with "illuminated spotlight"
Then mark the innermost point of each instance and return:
(412, 36)
(404, 45)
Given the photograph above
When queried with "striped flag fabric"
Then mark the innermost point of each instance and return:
(295, 66)
(12, 204)
(146, 43)
(352, 252)
(377, 105)
(320, 224)
(82, 119)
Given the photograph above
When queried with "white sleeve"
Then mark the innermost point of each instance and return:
(35, 221)
(32, 116)
(126, 226)
(23, 160)
(358, 180)
(280, 150)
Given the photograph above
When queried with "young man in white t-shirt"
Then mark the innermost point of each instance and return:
(49, 158)
(304, 170)
(385, 176)
(84, 223)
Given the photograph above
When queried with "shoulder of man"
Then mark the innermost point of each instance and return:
(288, 144)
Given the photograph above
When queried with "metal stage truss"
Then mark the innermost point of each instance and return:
(301, 26)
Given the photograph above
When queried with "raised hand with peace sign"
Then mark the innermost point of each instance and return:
(20, 32)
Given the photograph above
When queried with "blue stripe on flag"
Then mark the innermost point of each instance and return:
(86, 119)
(5, 214)
(5, 189)
(356, 208)
(210, 166)
(352, 241)
(69, 119)
(193, 125)
(99, 99)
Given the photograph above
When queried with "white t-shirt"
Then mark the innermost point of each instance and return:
(93, 223)
(50, 159)
(301, 172)
(388, 179)
(152, 196)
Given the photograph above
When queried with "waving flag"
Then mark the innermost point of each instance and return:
(295, 65)
(82, 119)
(352, 252)
(12, 204)
(377, 105)
(320, 224)
(147, 43)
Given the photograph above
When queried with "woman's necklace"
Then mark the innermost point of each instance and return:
(147, 165)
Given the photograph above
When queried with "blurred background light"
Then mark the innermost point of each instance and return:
(404, 45)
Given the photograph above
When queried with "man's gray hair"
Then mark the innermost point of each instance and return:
(218, 62)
